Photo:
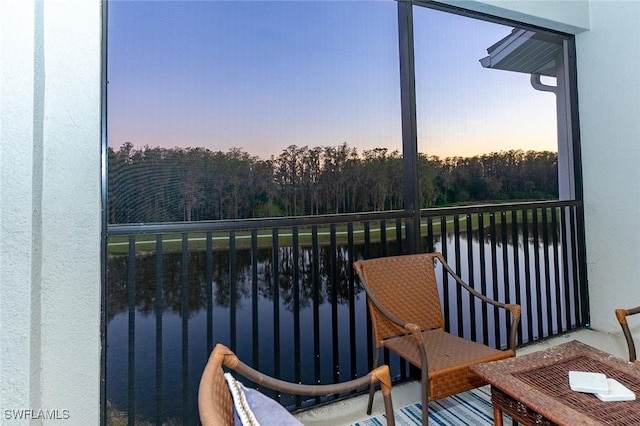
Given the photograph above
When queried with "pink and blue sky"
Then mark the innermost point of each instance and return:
(263, 75)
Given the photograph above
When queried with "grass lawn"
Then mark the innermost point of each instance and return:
(119, 245)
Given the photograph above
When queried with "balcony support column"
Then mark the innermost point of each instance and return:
(409, 125)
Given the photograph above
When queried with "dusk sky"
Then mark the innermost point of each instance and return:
(263, 75)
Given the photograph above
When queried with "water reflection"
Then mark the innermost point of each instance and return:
(172, 280)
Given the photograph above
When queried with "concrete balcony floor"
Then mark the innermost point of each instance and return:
(351, 410)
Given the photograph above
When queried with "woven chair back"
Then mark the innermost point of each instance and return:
(214, 398)
(405, 286)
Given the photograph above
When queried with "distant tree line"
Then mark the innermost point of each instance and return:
(192, 184)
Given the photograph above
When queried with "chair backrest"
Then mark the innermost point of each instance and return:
(406, 287)
(215, 403)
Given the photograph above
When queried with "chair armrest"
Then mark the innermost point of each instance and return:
(312, 390)
(514, 309)
(516, 314)
(221, 355)
(415, 332)
(621, 315)
(381, 374)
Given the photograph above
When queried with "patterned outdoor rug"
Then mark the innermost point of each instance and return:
(467, 408)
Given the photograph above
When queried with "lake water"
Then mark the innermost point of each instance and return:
(175, 369)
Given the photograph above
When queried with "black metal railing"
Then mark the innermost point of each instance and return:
(531, 255)
(283, 295)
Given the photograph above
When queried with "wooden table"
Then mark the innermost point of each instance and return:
(534, 389)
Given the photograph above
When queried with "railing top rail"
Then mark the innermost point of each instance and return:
(282, 222)
(249, 224)
(483, 208)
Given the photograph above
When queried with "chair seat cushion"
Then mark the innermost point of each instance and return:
(252, 408)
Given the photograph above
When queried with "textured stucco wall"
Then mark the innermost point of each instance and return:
(609, 95)
(50, 210)
(16, 204)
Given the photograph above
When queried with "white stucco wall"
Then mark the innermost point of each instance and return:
(16, 205)
(50, 210)
(609, 94)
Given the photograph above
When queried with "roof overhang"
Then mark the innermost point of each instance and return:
(525, 51)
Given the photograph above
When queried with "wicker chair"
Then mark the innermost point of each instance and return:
(621, 315)
(406, 315)
(215, 403)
